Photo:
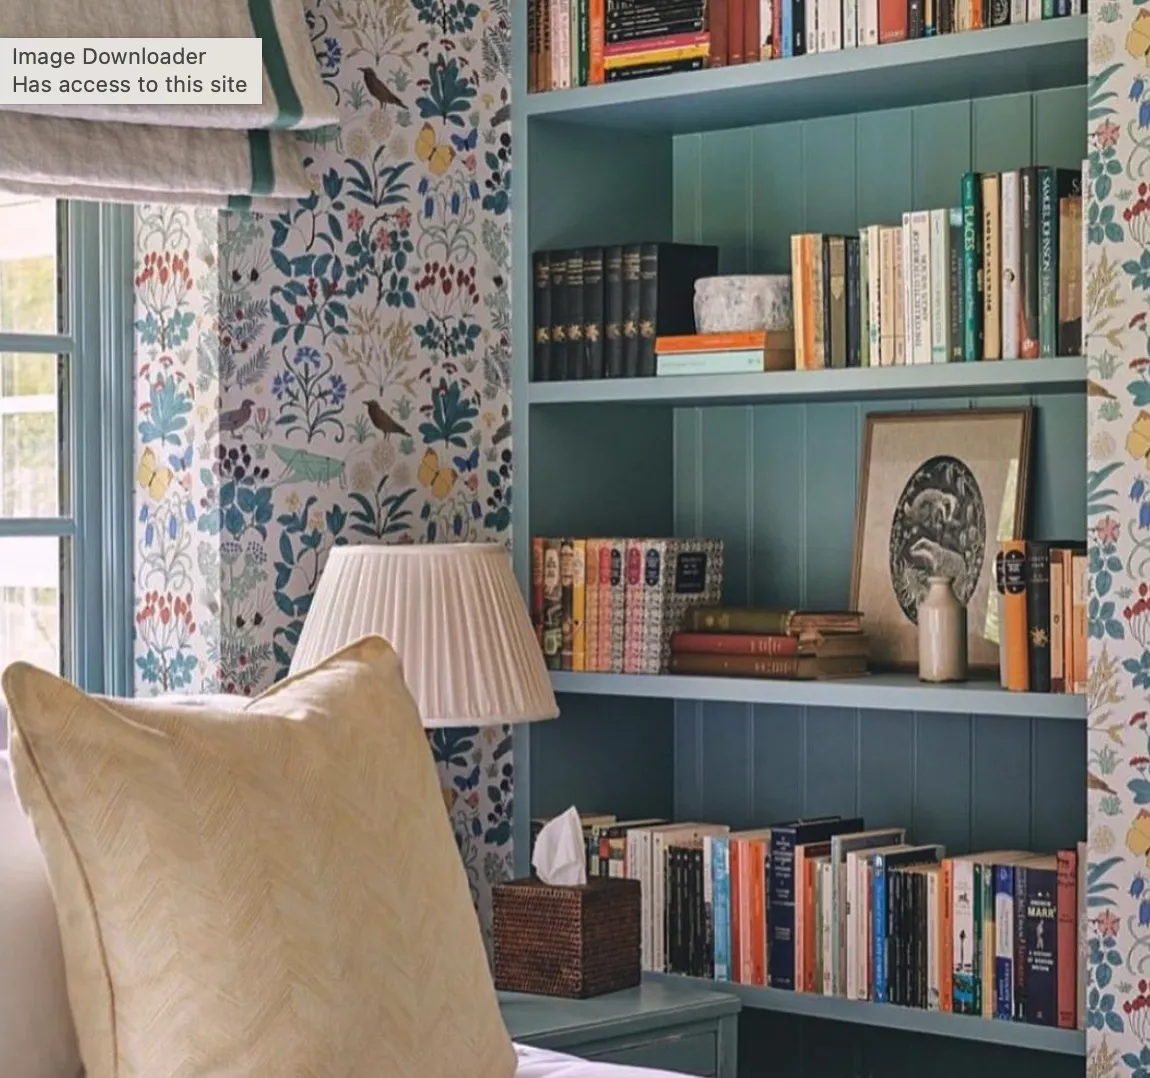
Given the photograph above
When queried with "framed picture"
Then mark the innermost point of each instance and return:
(937, 491)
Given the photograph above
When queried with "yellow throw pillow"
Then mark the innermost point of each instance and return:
(273, 892)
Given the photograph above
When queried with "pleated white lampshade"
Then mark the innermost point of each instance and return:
(456, 618)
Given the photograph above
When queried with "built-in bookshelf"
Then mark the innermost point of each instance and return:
(743, 158)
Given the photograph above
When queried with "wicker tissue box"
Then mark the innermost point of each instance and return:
(573, 942)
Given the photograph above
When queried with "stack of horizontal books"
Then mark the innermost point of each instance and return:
(725, 353)
(802, 645)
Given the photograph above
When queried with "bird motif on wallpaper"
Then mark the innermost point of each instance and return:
(233, 420)
(1093, 782)
(382, 421)
(379, 89)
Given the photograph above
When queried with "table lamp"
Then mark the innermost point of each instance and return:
(456, 618)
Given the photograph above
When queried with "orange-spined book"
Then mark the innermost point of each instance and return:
(725, 342)
(1010, 577)
(757, 885)
(806, 936)
(946, 938)
(596, 40)
(735, 848)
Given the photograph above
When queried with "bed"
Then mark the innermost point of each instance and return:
(541, 1063)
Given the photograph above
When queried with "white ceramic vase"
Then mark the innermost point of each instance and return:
(941, 633)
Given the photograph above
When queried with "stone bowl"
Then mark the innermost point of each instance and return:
(743, 304)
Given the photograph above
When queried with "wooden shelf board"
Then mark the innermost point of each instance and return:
(923, 382)
(953, 67)
(908, 1019)
(879, 692)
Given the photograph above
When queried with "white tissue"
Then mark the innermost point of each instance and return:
(560, 856)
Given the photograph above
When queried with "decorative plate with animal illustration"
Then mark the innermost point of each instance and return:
(937, 491)
(938, 529)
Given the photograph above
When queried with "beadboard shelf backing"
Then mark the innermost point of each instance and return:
(984, 63)
(1070, 1042)
(884, 692)
(925, 382)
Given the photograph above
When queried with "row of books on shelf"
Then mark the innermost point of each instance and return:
(651, 606)
(997, 277)
(595, 309)
(589, 42)
(828, 907)
(1043, 597)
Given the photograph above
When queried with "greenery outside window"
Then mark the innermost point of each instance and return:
(66, 402)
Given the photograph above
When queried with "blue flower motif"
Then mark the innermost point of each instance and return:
(1136, 89)
(281, 383)
(1137, 489)
(1144, 114)
(334, 51)
(308, 356)
(428, 207)
(1144, 515)
(1144, 913)
(1137, 885)
(337, 389)
(473, 191)
(455, 201)
(423, 186)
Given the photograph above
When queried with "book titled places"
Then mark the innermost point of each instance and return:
(831, 907)
(996, 276)
(597, 310)
(590, 42)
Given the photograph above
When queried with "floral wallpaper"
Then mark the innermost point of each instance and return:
(1117, 291)
(339, 373)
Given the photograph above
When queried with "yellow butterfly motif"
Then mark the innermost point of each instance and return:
(435, 474)
(1138, 440)
(1138, 39)
(152, 476)
(436, 155)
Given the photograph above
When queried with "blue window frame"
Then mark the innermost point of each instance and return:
(67, 397)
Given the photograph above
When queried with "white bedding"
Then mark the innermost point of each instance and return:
(541, 1063)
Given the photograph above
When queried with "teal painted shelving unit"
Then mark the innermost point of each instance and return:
(1066, 375)
(1032, 56)
(1070, 1042)
(884, 692)
(742, 158)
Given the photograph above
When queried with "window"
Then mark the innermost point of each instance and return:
(65, 439)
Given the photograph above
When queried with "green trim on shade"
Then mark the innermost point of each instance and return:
(263, 165)
(275, 63)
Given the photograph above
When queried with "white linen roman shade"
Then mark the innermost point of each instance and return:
(222, 155)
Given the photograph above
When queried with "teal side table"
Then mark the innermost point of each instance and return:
(662, 1024)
